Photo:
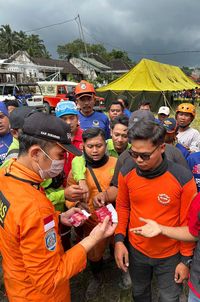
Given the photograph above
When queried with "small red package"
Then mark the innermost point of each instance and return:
(108, 210)
(77, 218)
(102, 213)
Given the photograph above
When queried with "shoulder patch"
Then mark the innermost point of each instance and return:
(51, 240)
(4, 206)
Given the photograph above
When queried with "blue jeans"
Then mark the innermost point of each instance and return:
(141, 270)
(192, 297)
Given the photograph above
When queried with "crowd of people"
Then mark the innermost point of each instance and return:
(56, 166)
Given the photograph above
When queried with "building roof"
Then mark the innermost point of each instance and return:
(119, 65)
(98, 58)
(98, 66)
(67, 66)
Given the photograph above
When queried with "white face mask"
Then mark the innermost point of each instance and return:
(57, 166)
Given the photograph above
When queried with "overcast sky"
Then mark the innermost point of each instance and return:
(143, 28)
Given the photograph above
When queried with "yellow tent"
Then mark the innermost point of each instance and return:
(150, 75)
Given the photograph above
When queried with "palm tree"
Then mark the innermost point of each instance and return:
(8, 40)
(35, 46)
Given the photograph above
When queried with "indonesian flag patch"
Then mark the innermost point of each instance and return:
(49, 223)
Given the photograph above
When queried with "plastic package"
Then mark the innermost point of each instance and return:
(108, 210)
(77, 218)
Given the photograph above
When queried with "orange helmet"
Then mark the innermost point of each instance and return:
(84, 88)
(187, 108)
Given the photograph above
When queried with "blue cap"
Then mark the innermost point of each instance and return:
(66, 108)
(3, 109)
(170, 124)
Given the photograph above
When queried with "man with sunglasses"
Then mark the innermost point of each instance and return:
(152, 186)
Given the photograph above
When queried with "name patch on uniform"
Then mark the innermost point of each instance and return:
(49, 223)
(4, 206)
(50, 240)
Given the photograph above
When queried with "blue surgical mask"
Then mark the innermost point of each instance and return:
(57, 166)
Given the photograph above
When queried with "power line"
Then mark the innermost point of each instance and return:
(111, 45)
(51, 25)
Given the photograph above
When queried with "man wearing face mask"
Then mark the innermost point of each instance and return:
(34, 264)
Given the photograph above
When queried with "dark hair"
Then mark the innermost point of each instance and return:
(93, 132)
(147, 130)
(116, 103)
(27, 141)
(120, 119)
(13, 103)
(124, 98)
(144, 103)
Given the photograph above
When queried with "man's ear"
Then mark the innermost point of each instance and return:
(14, 133)
(111, 132)
(162, 148)
(34, 152)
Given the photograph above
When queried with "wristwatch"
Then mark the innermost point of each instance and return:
(187, 261)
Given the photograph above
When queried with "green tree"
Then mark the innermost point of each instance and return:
(77, 49)
(9, 41)
(35, 46)
(72, 49)
(12, 41)
(118, 54)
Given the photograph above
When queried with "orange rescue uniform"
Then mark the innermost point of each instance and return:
(165, 198)
(34, 264)
(104, 175)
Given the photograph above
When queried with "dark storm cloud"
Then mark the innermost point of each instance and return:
(140, 27)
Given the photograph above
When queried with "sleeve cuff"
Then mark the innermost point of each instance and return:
(119, 238)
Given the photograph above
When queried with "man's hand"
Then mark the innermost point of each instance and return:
(103, 230)
(181, 273)
(121, 256)
(150, 229)
(83, 206)
(99, 200)
(83, 185)
(74, 193)
(65, 216)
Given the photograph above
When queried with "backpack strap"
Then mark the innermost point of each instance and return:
(94, 178)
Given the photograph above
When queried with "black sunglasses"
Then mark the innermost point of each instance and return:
(143, 156)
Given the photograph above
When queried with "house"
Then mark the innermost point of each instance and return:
(118, 67)
(89, 66)
(20, 67)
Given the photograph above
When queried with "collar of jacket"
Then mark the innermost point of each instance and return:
(161, 169)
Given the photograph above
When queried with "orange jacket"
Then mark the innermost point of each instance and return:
(104, 175)
(165, 198)
(34, 263)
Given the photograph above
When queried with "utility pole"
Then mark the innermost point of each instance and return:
(81, 34)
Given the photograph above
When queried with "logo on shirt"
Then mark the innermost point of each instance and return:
(50, 240)
(4, 206)
(164, 199)
(196, 169)
(95, 123)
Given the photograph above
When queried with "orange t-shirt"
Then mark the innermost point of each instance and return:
(34, 264)
(165, 199)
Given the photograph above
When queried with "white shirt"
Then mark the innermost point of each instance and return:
(190, 138)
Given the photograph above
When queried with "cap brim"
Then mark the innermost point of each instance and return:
(78, 97)
(170, 131)
(71, 149)
(163, 113)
